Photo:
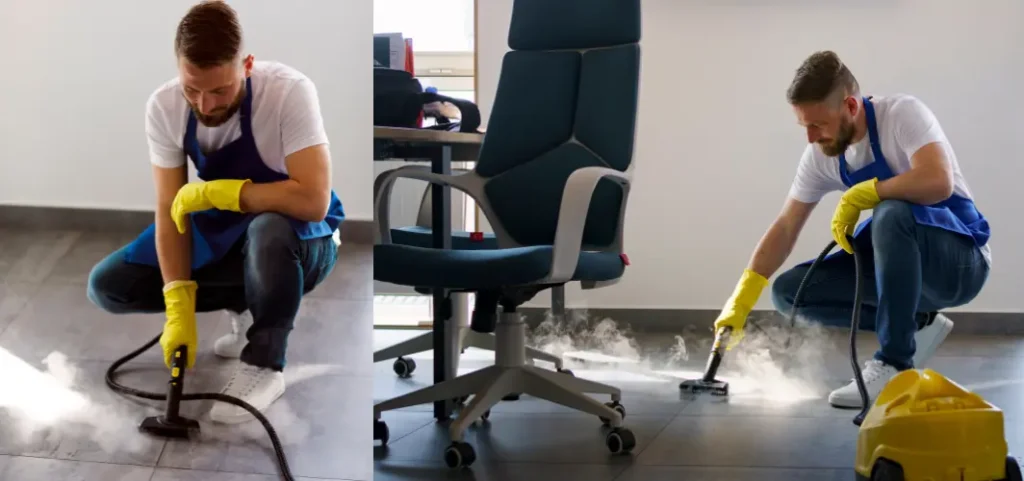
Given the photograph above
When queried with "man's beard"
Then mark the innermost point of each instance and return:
(220, 116)
(837, 146)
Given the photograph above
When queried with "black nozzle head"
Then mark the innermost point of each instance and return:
(698, 386)
(182, 428)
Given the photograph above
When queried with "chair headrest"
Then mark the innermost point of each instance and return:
(573, 24)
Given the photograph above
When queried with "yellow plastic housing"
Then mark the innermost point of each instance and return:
(934, 429)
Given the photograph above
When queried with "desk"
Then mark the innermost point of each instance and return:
(440, 148)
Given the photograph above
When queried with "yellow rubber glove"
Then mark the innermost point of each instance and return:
(199, 196)
(180, 327)
(738, 307)
(860, 197)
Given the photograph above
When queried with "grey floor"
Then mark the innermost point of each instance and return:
(59, 421)
(774, 426)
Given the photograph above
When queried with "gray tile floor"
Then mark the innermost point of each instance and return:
(61, 422)
(772, 427)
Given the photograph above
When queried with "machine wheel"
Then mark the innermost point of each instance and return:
(886, 470)
(620, 441)
(459, 455)
(1012, 470)
(567, 372)
(381, 432)
(616, 406)
(511, 397)
(404, 367)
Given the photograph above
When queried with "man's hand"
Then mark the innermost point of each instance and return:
(180, 326)
(860, 197)
(738, 307)
(200, 196)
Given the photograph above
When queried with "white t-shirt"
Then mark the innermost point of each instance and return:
(905, 124)
(285, 119)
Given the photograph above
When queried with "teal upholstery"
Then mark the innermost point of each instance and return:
(566, 100)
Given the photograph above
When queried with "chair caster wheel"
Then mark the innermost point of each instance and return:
(404, 367)
(381, 432)
(616, 406)
(620, 441)
(459, 455)
(567, 372)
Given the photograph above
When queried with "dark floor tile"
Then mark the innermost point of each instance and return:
(675, 473)
(163, 474)
(324, 422)
(88, 250)
(334, 332)
(14, 296)
(406, 470)
(25, 468)
(770, 441)
(31, 255)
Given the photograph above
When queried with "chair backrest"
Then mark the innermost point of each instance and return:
(566, 99)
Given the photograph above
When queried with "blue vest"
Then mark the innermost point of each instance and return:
(956, 214)
(215, 232)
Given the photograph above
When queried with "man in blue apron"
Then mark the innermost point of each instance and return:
(257, 231)
(924, 246)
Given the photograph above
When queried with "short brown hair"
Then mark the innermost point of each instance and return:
(821, 77)
(209, 34)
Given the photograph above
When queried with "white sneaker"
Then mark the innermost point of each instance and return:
(929, 338)
(257, 386)
(231, 345)
(876, 375)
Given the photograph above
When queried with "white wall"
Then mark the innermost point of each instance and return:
(713, 109)
(77, 75)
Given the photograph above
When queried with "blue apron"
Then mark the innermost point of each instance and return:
(215, 232)
(956, 214)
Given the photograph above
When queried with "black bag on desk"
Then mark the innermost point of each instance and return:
(398, 100)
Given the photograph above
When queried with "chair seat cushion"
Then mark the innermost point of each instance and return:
(482, 269)
(424, 237)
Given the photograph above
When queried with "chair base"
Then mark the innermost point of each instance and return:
(511, 374)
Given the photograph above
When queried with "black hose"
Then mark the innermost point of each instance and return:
(854, 322)
(279, 451)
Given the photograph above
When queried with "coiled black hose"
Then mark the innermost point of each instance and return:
(279, 451)
(854, 322)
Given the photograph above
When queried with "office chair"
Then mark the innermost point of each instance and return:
(553, 178)
(421, 235)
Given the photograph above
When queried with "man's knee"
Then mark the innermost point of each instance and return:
(892, 214)
(270, 232)
(106, 288)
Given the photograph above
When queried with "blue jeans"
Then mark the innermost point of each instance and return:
(909, 272)
(267, 273)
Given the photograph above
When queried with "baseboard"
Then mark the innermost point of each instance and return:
(680, 320)
(92, 220)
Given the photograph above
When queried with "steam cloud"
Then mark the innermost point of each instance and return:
(761, 367)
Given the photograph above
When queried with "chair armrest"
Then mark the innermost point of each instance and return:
(468, 182)
(572, 218)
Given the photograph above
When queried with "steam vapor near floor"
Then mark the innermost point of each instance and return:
(64, 408)
(762, 366)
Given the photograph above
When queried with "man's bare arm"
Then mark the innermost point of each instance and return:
(305, 196)
(778, 241)
(929, 180)
(173, 249)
